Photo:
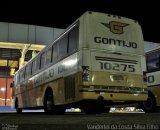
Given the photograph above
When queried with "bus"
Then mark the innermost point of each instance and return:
(153, 82)
(98, 60)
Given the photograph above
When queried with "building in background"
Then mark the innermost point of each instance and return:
(18, 44)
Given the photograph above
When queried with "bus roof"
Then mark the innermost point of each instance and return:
(111, 15)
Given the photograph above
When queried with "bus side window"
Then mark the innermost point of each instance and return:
(33, 67)
(26, 71)
(73, 39)
(18, 77)
(49, 56)
(55, 53)
(22, 75)
(153, 61)
(42, 60)
(37, 66)
(29, 70)
(62, 44)
(15, 79)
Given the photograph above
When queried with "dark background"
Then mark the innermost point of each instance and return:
(61, 13)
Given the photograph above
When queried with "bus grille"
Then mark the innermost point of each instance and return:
(69, 87)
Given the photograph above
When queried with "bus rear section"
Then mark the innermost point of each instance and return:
(113, 55)
(115, 77)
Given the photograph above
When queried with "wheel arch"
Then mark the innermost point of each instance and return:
(48, 89)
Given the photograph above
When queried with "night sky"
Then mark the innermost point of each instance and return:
(61, 13)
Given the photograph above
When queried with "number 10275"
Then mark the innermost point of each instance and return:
(117, 67)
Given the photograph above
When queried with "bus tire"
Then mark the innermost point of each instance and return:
(149, 105)
(18, 110)
(48, 102)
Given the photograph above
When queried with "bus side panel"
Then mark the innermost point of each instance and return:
(65, 90)
(153, 84)
(20, 94)
(36, 95)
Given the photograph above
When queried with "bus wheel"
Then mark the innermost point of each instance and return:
(149, 105)
(18, 110)
(48, 102)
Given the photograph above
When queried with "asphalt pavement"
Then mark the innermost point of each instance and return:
(80, 121)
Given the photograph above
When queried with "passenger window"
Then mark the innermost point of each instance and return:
(26, 71)
(16, 79)
(42, 60)
(49, 56)
(33, 67)
(29, 69)
(62, 44)
(73, 39)
(37, 67)
(55, 53)
(22, 72)
(153, 61)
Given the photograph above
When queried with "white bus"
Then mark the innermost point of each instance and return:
(95, 62)
(153, 80)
